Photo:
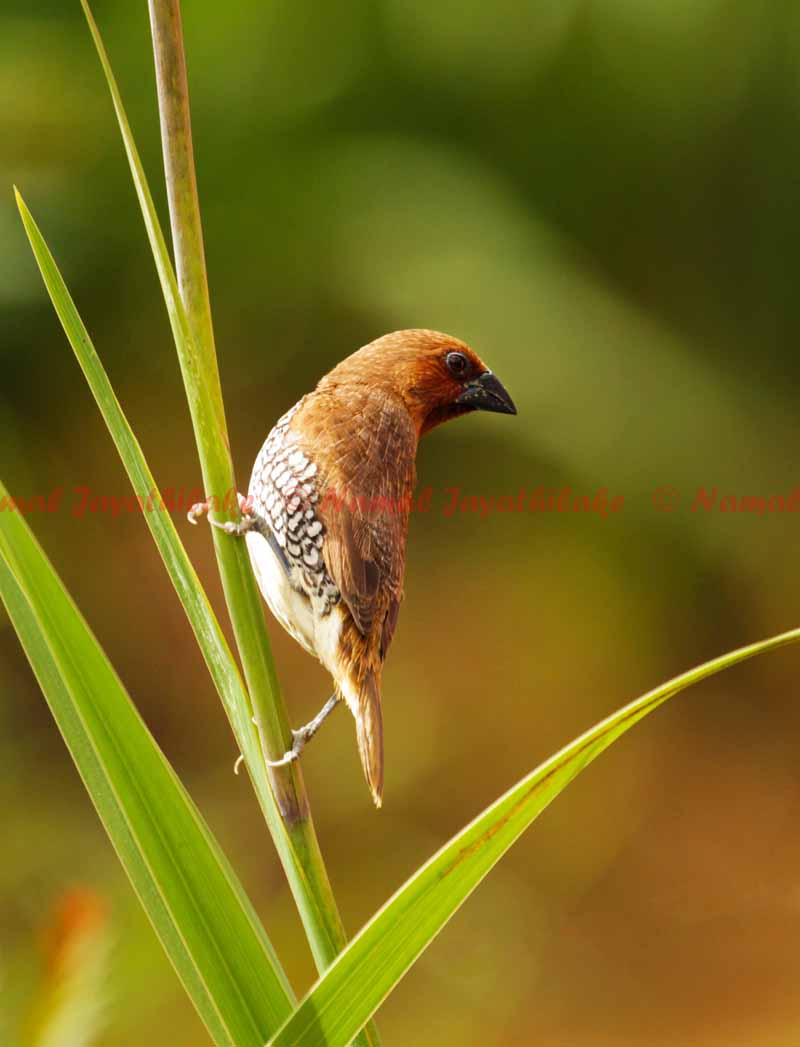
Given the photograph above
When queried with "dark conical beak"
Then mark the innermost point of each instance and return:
(487, 393)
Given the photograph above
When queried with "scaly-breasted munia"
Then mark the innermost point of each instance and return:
(326, 517)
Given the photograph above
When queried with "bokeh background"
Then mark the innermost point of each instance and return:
(603, 197)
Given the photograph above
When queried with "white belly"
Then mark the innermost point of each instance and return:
(317, 633)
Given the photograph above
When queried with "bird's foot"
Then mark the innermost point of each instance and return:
(303, 735)
(237, 528)
(299, 739)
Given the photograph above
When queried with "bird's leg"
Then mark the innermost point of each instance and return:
(248, 522)
(303, 735)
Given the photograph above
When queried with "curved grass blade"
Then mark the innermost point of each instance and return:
(200, 372)
(197, 907)
(206, 627)
(302, 864)
(286, 808)
(378, 957)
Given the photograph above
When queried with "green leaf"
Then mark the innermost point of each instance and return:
(302, 860)
(285, 805)
(378, 957)
(206, 627)
(197, 907)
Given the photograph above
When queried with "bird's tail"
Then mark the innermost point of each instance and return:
(369, 729)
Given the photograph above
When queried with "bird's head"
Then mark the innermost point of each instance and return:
(437, 376)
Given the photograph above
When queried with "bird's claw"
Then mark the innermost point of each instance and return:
(299, 739)
(198, 509)
(233, 527)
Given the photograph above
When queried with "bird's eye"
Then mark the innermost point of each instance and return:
(457, 364)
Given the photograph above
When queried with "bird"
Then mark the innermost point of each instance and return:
(326, 515)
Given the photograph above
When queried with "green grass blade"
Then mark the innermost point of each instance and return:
(197, 907)
(201, 380)
(286, 807)
(206, 627)
(217, 654)
(378, 957)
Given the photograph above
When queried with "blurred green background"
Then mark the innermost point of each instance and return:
(602, 197)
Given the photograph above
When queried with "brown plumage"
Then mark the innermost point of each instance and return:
(330, 494)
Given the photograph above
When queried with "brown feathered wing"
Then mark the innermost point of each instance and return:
(365, 512)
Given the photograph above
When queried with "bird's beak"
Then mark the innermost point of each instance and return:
(487, 393)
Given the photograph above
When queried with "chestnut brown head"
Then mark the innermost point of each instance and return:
(437, 376)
